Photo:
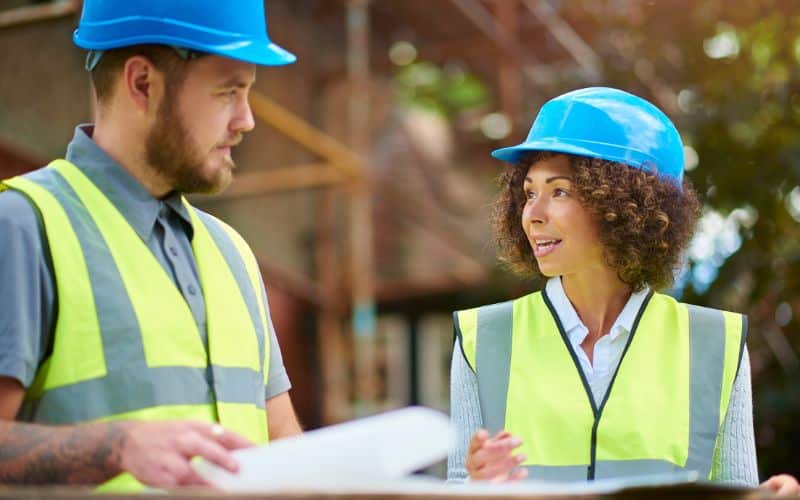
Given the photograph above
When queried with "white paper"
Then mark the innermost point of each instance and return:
(376, 454)
(375, 449)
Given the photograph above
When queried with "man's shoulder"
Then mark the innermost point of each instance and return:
(215, 222)
(17, 211)
(205, 216)
(210, 221)
(21, 233)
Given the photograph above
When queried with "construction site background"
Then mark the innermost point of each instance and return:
(365, 188)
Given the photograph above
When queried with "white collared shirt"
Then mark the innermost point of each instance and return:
(608, 349)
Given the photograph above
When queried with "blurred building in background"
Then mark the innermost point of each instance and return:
(365, 189)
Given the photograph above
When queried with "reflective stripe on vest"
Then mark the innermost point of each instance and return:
(671, 389)
(134, 351)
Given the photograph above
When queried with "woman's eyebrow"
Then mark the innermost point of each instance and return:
(551, 179)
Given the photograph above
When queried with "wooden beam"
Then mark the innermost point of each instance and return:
(509, 84)
(34, 13)
(583, 54)
(362, 265)
(665, 96)
(332, 357)
(261, 182)
(483, 19)
(471, 50)
(305, 134)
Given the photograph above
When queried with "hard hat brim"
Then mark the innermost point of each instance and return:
(610, 152)
(606, 152)
(512, 154)
(632, 158)
(262, 52)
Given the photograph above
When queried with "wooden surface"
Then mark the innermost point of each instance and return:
(696, 491)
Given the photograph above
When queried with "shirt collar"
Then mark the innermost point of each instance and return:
(130, 197)
(571, 322)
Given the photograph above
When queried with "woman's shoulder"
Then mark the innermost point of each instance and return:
(669, 299)
(533, 296)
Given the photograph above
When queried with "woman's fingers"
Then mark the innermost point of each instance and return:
(782, 485)
(518, 474)
(502, 468)
(493, 458)
(477, 440)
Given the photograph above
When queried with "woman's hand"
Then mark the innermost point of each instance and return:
(491, 458)
(782, 485)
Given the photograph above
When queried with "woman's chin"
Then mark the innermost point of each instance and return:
(548, 271)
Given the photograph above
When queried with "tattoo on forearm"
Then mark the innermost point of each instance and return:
(38, 454)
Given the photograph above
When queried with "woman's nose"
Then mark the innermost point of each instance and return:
(535, 211)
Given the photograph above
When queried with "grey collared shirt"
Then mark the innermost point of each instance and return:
(28, 305)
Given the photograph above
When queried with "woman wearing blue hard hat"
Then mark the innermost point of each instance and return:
(599, 375)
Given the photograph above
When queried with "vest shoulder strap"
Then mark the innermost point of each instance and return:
(485, 334)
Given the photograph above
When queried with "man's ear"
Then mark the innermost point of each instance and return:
(142, 83)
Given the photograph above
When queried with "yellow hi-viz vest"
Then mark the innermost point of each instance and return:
(134, 351)
(662, 411)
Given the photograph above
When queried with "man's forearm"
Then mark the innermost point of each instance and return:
(39, 454)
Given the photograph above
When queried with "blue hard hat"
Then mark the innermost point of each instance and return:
(231, 28)
(606, 123)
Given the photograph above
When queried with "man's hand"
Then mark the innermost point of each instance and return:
(491, 458)
(782, 485)
(159, 453)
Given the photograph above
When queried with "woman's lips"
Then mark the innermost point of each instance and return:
(543, 248)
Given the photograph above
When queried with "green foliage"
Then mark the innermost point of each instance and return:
(735, 68)
(448, 90)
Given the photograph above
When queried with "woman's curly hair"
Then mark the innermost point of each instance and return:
(644, 222)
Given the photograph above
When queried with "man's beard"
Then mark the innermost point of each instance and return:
(170, 151)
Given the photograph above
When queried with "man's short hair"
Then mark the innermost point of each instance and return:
(109, 69)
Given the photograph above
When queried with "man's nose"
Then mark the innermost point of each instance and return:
(243, 121)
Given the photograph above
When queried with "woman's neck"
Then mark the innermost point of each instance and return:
(598, 298)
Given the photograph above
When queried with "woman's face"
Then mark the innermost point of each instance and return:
(561, 232)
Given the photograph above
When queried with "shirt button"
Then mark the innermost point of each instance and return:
(192, 290)
(173, 251)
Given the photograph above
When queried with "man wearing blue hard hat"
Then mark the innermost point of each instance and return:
(136, 329)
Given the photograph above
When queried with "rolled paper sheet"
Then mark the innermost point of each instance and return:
(383, 447)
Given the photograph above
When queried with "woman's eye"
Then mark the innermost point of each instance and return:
(558, 192)
(530, 195)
